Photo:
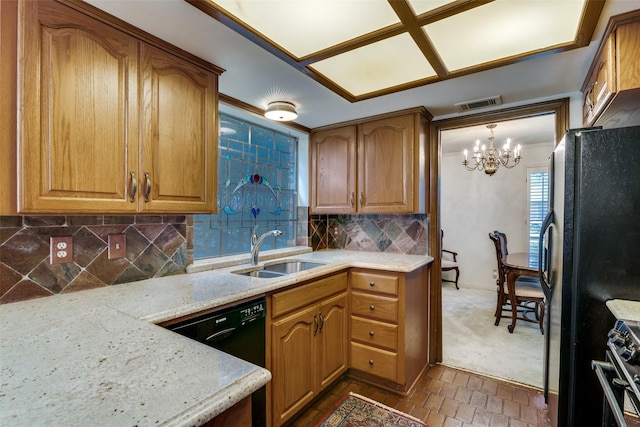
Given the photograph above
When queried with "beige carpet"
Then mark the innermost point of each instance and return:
(472, 342)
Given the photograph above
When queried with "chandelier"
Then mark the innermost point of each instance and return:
(489, 160)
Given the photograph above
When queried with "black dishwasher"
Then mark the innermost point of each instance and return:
(238, 331)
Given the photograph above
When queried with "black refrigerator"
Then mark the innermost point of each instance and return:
(590, 254)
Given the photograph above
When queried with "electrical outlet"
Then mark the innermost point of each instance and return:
(117, 246)
(61, 249)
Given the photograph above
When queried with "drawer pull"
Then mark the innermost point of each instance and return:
(371, 362)
(372, 284)
(370, 333)
(372, 307)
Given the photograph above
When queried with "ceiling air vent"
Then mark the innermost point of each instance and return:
(479, 103)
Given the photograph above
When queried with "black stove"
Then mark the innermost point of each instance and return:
(624, 346)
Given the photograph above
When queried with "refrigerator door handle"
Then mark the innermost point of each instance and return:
(544, 270)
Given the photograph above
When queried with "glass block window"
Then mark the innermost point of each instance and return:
(256, 186)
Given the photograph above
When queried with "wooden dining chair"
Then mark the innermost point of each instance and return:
(529, 296)
(505, 251)
(449, 264)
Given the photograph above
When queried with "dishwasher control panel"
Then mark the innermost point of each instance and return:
(252, 312)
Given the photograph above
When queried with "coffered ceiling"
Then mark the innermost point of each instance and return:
(258, 70)
(364, 49)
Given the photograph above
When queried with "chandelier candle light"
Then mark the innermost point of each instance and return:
(491, 159)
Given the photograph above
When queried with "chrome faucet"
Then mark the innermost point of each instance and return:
(257, 241)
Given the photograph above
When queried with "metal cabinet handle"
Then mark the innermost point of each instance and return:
(372, 307)
(147, 190)
(371, 362)
(361, 198)
(351, 199)
(133, 187)
(588, 97)
(372, 284)
(321, 322)
(370, 333)
(315, 322)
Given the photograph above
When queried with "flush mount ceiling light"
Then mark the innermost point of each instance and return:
(281, 111)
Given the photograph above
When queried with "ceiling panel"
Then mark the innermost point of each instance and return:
(503, 29)
(303, 27)
(377, 66)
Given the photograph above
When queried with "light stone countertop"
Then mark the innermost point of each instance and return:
(96, 357)
(624, 309)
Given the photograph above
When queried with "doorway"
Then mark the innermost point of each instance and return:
(476, 189)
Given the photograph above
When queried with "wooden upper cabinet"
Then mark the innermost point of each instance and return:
(372, 166)
(601, 83)
(385, 173)
(333, 170)
(179, 142)
(107, 122)
(77, 113)
(612, 87)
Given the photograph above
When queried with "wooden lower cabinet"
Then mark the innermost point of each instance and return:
(239, 415)
(373, 322)
(389, 326)
(309, 338)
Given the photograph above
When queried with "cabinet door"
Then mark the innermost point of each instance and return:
(385, 165)
(332, 352)
(333, 171)
(179, 139)
(294, 362)
(601, 85)
(77, 112)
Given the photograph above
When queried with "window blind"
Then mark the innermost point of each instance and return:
(538, 205)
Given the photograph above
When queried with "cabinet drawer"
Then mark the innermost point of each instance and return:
(374, 307)
(370, 282)
(292, 299)
(372, 332)
(374, 361)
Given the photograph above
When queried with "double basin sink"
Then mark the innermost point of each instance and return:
(278, 269)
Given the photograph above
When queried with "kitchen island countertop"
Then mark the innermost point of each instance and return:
(97, 357)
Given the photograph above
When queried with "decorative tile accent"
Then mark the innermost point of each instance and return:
(156, 246)
(406, 234)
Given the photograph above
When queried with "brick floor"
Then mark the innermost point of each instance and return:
(445, 397)
(448, 397)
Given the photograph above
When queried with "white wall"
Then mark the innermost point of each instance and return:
(474, 204)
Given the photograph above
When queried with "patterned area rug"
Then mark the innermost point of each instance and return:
(358, 411)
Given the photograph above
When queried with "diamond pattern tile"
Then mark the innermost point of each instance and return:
(374, 233)
(156, 246)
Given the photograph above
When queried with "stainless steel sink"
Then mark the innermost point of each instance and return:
(290, 267)
(260, 273)
(279, 269)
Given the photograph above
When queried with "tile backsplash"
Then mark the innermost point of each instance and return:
(163, 245)
(155, 246)
(408, 234)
